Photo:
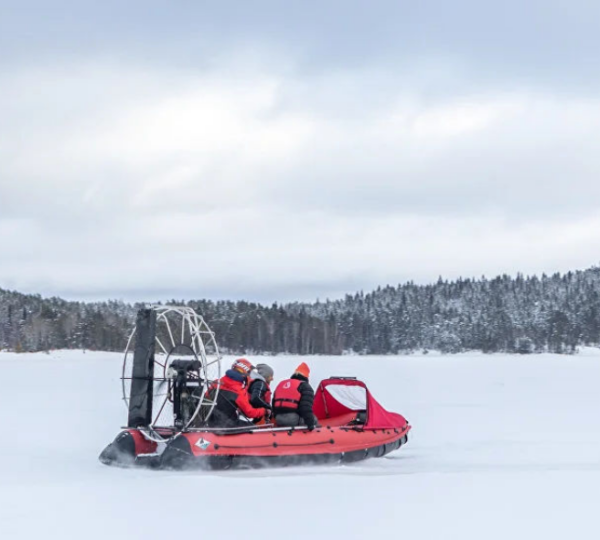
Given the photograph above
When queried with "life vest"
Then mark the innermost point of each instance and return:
(267, 395)
(287, 394)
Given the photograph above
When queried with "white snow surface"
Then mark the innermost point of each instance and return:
(502, 447)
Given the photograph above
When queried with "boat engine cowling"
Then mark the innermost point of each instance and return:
(186, 384)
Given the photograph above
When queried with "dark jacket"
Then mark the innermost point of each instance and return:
(231, 399)
(305, 407)
(259, 393)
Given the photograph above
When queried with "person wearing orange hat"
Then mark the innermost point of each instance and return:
(293, 400)
(232, 398)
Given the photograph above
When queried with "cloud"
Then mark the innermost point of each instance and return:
(278, 169)
(553, 41)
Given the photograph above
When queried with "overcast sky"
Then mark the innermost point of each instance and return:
(294, 150)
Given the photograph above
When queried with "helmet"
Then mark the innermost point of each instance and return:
(242, 366)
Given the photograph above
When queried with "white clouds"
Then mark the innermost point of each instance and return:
(456, 120)
(232, 183)
(279, 255)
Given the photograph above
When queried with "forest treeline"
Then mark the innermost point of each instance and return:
(554, 313)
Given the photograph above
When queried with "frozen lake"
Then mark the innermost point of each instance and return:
(502, 446)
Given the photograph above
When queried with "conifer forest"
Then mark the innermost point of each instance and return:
(519, 314)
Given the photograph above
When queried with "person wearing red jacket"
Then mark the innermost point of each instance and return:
(232, 398)
(293, 400)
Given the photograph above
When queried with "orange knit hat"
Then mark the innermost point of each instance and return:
(303, 370)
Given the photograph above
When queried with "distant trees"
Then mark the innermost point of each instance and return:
(518, 315)
(32, 323)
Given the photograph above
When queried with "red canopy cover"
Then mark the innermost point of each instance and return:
(327, 406)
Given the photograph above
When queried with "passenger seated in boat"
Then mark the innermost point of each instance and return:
(232, 398)
(259, 390)
(293, 400)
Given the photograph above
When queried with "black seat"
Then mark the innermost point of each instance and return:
(361, 418)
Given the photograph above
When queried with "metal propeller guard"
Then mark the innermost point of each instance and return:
(183, 362)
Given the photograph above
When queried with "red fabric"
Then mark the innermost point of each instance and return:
(287, 389)
(142, 445)
(326, 406)
(242, 401)
(379, 418)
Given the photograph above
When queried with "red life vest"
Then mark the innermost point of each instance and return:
(287, 394)
(267, 396)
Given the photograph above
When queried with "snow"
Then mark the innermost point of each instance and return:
(502, 446)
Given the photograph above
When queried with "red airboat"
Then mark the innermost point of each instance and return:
(352, 424)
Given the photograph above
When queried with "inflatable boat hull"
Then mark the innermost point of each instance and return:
(258, 448)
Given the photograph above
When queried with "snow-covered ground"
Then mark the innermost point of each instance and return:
(501, 447)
